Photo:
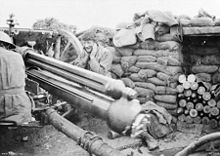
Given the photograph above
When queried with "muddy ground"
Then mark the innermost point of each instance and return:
(47, 141)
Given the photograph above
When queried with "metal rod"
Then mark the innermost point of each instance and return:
(80, 75)
(72, 93)
(87, 140)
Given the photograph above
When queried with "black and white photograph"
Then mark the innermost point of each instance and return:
(109, 78)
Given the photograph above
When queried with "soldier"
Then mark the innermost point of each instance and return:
(15, 105)
(95, 57)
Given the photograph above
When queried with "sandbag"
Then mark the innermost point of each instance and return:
(185, 22)
(201, 21)
(149, 45)
(169, 45)
(124, 37)
(174, 69)
(162, 17)
(174, 61)
(161, 90)
(135, 77)
(162, 76)
(166, 98)
(168, 106)
(153, 66)
(128, 82)
(146, 59)
(125, 51)
(171, 91)
(143, 52)
(204, 69)
(145, 85)
(156, 81)
(146, 73)
(134, 69)
(166, 37)
(127, 62)
(117, 69)
(163, 61)
(216, 78)
(204, 77)
(143, 92)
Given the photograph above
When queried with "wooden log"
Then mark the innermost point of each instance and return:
(218, 104)
(199, 106)
(194, 95)
(191, 78)
(180, 88)
(212, 102)
(213, 123)
(180, 110)
(194, 86)
(193, 113)
(186, 112)
(201, 90)
(206, 96)
(205, 120)
(214, 111)
(187, 93)
(189, 105)
(182, 103)
(206, 109)
(186, 85)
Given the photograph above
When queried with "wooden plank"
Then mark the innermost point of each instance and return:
(215, 30)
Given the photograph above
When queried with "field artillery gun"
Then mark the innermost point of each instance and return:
(103, 97)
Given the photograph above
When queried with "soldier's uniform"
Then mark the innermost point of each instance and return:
(15, 105)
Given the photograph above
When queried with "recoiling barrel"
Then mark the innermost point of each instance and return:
(101, 96)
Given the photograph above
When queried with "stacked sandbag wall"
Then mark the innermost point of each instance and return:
(152, 69)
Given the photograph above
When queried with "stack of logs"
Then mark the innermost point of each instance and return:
(196, 102)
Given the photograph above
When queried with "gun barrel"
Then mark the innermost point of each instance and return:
(98, 82)
(87, 140)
